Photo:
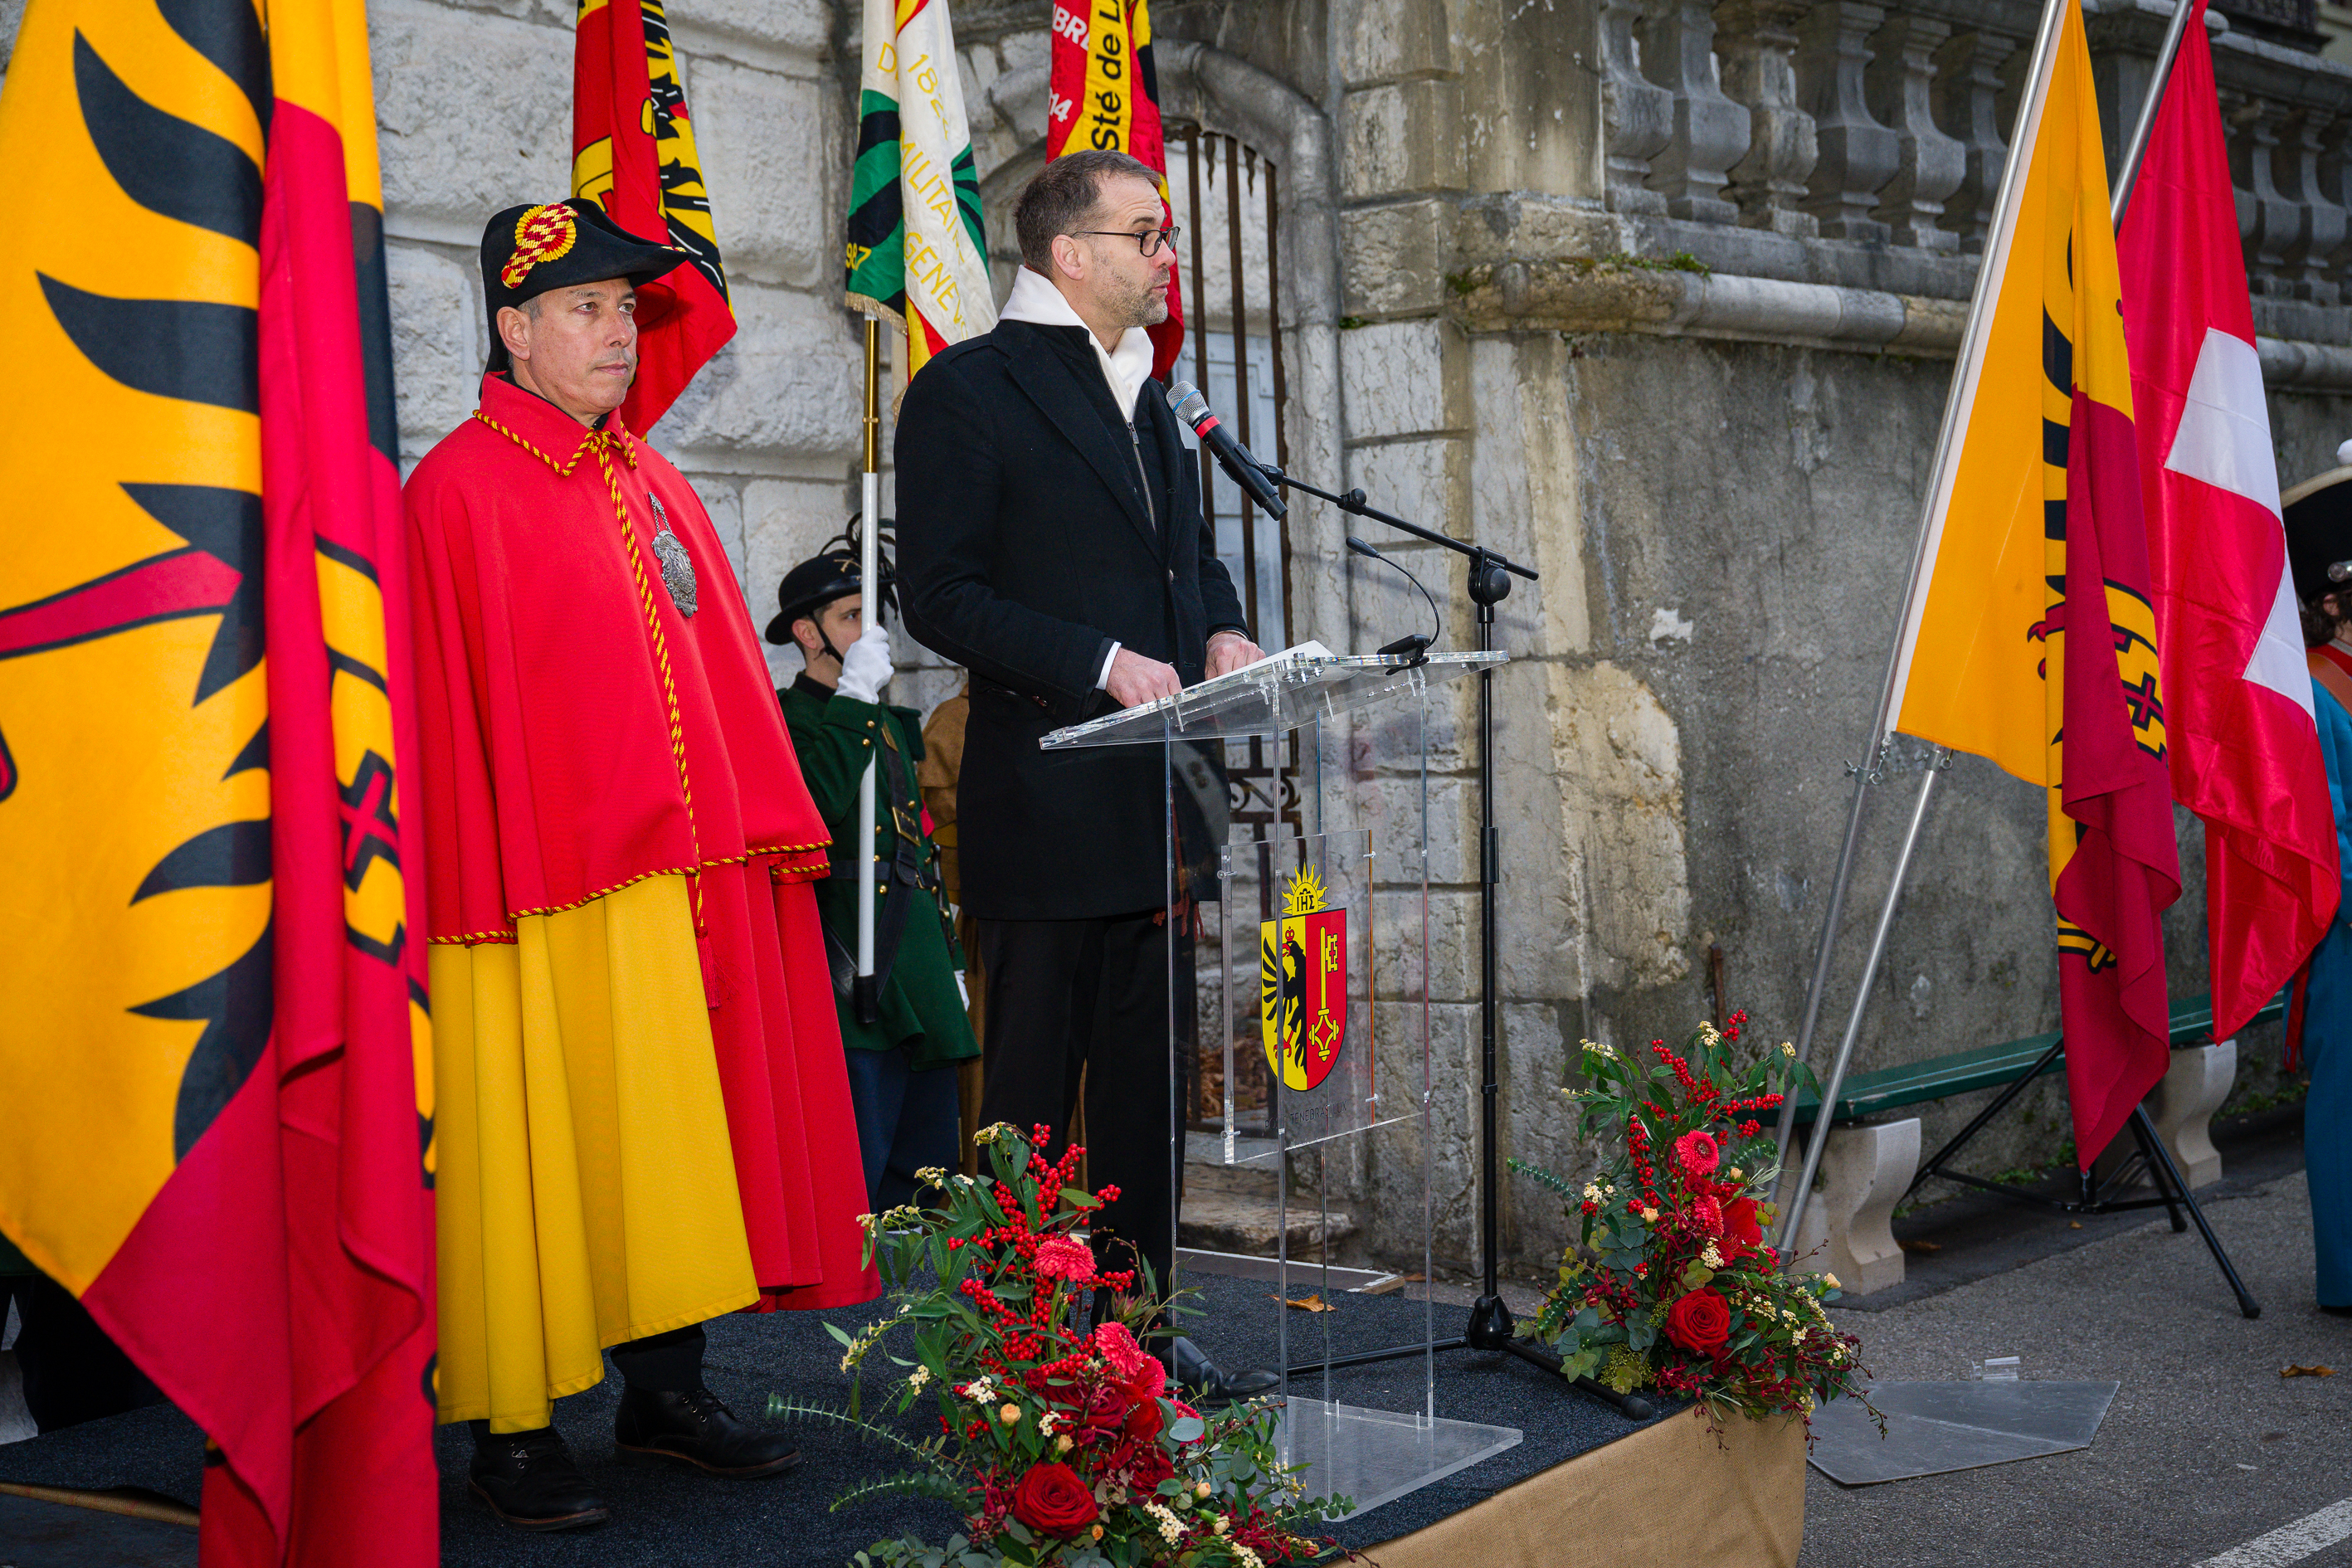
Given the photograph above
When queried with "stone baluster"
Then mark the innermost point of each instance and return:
(1858, 155)
(1710, 132)
(2335, 176)
(1966, 100)
(1637, 114)
(1757, 42)
(2320, 219)
(1898, 85)
(2267, 219)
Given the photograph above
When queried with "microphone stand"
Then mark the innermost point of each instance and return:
(1490, 1327)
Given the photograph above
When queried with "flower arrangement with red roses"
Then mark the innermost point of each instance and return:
(1058, 1442)
(1671, 1284)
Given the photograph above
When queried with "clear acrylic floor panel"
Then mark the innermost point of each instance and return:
(1372, 1456)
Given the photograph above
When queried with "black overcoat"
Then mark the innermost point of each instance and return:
(1027, 547)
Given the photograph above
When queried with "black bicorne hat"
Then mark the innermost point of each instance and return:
(528, 250)
(831, 573)
(2318, 515)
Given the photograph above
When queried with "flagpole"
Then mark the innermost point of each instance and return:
(2128, 171)
(1882, 728)
(870, 578)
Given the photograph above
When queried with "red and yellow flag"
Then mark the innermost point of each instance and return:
(2029, 637)
(1104, 93)
(632, 153)
(204, 688)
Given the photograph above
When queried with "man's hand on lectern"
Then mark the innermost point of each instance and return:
(1135, 679)
(1229, 651)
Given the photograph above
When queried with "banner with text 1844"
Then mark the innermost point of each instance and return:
(916, 253)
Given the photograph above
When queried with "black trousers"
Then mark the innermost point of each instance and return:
(1091, 994)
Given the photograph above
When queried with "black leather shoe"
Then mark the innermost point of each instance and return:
(696, 1429)
(1206, 1384)
(529, 1480)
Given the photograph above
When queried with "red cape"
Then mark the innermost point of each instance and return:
(579, 733)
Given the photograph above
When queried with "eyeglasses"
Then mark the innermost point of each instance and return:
(1149, 241)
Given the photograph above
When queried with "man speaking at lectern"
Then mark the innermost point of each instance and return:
(1051, 540)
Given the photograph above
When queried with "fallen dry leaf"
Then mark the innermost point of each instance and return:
(1920, 1246)
(1314, 1303)
(2307, 1372)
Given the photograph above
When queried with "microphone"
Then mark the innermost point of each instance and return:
(1415, 646)
(1232, 455)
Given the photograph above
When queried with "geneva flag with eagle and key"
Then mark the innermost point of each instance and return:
(217, 1062)
(2029, 637)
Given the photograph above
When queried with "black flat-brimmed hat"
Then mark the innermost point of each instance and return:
(529, 250)
(2318, 514)
(832, 572)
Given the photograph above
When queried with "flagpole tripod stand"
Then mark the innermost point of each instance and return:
(1490, 1327)
(2095, 1196)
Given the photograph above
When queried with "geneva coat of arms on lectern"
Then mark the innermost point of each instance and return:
(1303, 983)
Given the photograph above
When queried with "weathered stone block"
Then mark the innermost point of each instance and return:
(1394, 257)
(797, 26)
(723, 501)
(437, 341)
(772, 159)
(1420, 481)
(1391, 39)
(453, 156)
(1617, 763)
(1404, 378)
(1400, 138)
(784, 521)
(787, 384)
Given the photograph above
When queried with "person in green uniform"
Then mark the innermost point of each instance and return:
(905, 1029)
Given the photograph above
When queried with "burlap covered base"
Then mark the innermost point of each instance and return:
(1671, 1492)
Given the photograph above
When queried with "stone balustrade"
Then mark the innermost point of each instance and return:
(1861, 144)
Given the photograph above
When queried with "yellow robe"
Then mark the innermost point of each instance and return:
(562, 1159)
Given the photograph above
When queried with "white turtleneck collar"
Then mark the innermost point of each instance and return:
(1125, 369)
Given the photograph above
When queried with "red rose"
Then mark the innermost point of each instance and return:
(1700, 1322)
(1144, 1421)
(1104, 1409)
(1743, 1233)
(1052, 1498)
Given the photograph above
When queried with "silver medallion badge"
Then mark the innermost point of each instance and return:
(677, 565)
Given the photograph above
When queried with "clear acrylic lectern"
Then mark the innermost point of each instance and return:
(1298, 811)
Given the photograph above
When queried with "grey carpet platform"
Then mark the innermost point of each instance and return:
(664, 1515)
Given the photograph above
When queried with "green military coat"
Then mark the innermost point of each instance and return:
(922, 1007)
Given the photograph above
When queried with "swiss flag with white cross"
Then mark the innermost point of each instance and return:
(2243, 748)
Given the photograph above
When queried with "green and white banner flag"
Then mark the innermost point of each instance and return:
(917, 252)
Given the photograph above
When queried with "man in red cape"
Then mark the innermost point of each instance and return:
(645, 1120)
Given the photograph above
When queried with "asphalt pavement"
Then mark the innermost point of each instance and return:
(2207, 1452)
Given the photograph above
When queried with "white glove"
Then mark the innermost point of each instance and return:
(866, 668)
